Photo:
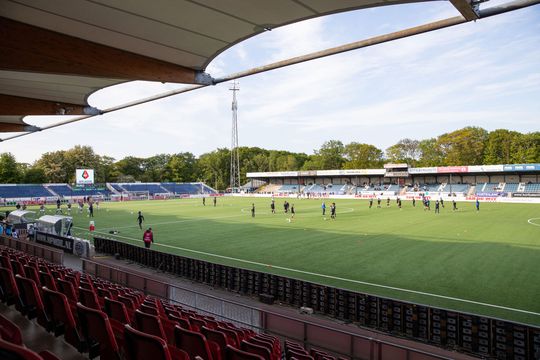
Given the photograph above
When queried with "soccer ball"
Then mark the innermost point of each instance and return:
(132, 213)
(324, 218)
(289, 220)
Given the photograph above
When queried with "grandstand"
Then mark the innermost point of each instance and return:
(49, 192)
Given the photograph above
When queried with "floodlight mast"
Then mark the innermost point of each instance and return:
(235, 156)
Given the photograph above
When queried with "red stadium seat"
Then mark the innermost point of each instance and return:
(32, 274)
(66, 288)
(10, 331)
(59, 311)
(232, 353)
(117, 311)
(89, 298)
(142, 346)
(9, 292)
(232, 336)
(217, 337)
(31, 300)
(148, 309)
(196, 323)
(11, 351)
(152, 324)
(195, 344)
(17, 268)
(47, 355)
(98, 333)
(299, 355)
(47, 280)
(256, 349)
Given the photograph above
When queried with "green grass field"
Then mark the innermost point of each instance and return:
(454, 260)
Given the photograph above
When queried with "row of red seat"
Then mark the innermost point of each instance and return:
(103, 318)
(12, 347)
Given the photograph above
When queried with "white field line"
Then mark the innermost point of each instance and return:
(531, 221)
(335, 277)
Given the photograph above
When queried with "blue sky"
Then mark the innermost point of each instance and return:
(484, 74)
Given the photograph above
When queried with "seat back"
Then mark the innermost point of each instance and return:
(299, 355)
(98, 333)
(17, 268)
(31, 299)
(89, 298)
(59, 312)
(149, 324)
(9, 331)
(193, 343)
(232, 336)
(232, 353)
(148, 309)
(256, 349)
(47, 280)
(66, 288)
(8, 287)
(32, 273)
(16, 352)
(197, 324)
(116, 310)
(142, 346)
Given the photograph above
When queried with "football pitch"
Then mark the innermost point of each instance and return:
(485, 262)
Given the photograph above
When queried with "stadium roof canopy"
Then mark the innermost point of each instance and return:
(55, 53)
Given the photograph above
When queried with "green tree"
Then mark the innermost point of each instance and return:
(129, 166)
(54, 166)
(10, 170)
(362, 156)
(329, 156)
(405, 151)
(181, 167)
(155, 168)
(526, 148)
(34, 175)
(499, 146)
(430, 153)
(464, 146)
(214, 168)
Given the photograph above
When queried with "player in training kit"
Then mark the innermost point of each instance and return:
(273, 206)
(379, 202)
(399, 203)
(215, 201)
(140, 219)
(323, 207)
(437, 207)
(252, 210)
(333, 211)
(387, 202)
(477, 204)
(203, 201)
(454, 205)
(91, 210)
(42, 209)
(370, 202)
(292, 211)
(413, 202)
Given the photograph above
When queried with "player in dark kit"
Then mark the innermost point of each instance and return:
(370, 202)
(387, 202)
(91, 210)
(454, 205)
(140, 219)
(413, 202)
(203, 201)
(437, 207)
(378, 202)
(333, 211)
(399, 203)
(323, 207)
(273, 207)
(252, 210)
(477, 204)
(292, 211)
(215, 201)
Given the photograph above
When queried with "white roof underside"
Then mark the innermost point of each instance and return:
(186, 33)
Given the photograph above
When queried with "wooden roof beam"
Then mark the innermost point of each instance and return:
(465, 9)
(17, 105)
(30, 48)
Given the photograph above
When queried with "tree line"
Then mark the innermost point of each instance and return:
(467, 146)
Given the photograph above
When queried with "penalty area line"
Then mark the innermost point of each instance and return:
(335, 277)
